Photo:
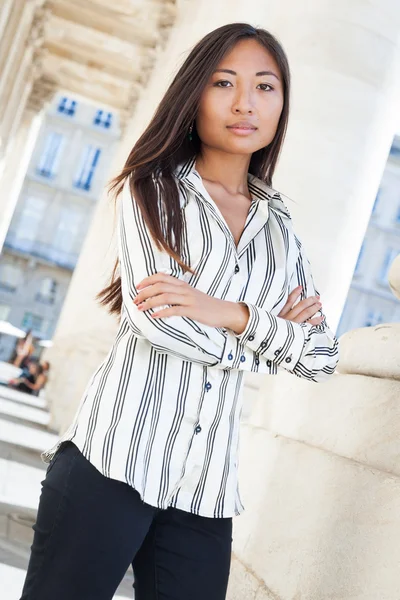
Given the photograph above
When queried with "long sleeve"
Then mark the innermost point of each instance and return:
(140, 258)
(308, 351)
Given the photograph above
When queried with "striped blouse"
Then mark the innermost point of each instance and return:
(162, 411)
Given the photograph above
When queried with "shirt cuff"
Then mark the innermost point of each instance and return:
(277, 339)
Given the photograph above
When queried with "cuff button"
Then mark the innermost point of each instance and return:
(251, 338)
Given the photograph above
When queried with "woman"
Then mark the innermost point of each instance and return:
(23, 351)
(39, 383)
(27, 380)
(212, 282)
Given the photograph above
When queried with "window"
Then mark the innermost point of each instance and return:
(29, 222)
(51, 155)
(47, 292)
(87, 167)
(390, 255)
(38, 324)
(373, 318)
(357, 269)
(103, 119)
(68, 229)
(10, 277)
(67, 106)
(4, 312)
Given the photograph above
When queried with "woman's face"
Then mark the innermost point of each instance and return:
(241, 105)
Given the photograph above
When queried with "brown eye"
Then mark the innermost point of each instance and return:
(222, 83)
(264, 87)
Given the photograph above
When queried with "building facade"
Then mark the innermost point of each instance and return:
(65, 177)
(370, 300)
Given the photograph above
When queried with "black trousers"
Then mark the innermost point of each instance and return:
(90, 528)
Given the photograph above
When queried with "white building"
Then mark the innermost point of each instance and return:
(66, 174)
(370, 300)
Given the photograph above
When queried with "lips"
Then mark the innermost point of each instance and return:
(246, 125)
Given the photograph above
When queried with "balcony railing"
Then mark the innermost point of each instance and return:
(47, 252)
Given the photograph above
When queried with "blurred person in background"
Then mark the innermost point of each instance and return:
(41, 379)
(24, 348)
(26, 381)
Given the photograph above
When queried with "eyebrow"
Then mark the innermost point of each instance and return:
(259, 74)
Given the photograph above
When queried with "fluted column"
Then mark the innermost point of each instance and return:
(24, 92)
(20, 63)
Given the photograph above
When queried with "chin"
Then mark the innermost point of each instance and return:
(242, 148)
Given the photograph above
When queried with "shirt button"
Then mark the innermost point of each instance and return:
(251, 338)
(257, 361)
(242, 358)
(237, 269)
(230, 356)
(268, 363)
(288, 359)
(277, 351)
(198, 429)
(208, 386)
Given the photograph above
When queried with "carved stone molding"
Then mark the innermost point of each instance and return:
(36, 33)
(42, 92)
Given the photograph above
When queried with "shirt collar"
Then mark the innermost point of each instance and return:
(258, 188)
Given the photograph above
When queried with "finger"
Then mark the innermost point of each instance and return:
(172, 311)
(158, 278)
(293, 296)
(163, 299)
(155, 290)
(305, 305)
(316, 321)
(306, 314)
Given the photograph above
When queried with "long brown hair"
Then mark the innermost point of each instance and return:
(165, 143)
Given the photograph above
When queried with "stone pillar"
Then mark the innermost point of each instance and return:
(22, 23)
(24, 92)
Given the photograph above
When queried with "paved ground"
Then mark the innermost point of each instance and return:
(23, 435)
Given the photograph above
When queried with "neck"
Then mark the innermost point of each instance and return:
(229, 170)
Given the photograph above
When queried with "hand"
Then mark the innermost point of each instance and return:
(303, 311)
(187, 301)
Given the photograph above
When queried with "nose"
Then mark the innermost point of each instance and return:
(243, 102)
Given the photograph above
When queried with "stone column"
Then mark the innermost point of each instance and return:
(25, 94)
(22, 37)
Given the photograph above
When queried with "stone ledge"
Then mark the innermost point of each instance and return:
(316, 526)
(373, 351)
(353, 416)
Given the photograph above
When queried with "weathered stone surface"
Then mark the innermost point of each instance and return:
(373, 351)
(316, 526)
(351, 415)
